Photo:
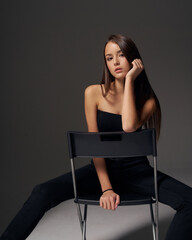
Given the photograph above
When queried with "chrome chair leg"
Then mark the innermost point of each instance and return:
(80, 216)
(84, 221)
(156, 221)
(152, 222)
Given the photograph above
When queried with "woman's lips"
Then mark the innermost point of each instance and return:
(118, 70)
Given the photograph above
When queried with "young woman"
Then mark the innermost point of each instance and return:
(124, 101)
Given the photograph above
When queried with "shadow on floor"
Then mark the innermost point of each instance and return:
(146, 232)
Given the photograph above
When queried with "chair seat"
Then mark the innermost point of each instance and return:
(125, 199)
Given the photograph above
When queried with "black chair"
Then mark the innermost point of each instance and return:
(110, 145)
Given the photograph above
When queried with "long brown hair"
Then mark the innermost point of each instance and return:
(142, 88)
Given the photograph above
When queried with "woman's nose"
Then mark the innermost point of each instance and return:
(116, 61)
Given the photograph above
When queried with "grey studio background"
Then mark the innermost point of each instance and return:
(51, 50)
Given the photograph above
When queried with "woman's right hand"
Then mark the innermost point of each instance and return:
(109, 200)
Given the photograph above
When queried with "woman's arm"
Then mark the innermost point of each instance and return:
(131, 118)
(109, 200)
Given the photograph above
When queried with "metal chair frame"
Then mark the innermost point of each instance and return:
(109, 145)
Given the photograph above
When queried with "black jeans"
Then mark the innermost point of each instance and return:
(135, 175)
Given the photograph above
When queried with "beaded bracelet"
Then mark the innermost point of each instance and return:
(107, 190)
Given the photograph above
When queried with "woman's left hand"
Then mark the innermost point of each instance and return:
(135, 70)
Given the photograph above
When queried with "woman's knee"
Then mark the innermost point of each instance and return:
(39, 196)
(50, 193)
(41, 190)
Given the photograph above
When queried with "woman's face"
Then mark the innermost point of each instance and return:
(116, 61)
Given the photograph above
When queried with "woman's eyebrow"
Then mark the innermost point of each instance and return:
(109, 54)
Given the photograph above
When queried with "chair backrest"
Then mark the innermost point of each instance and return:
(112, 144)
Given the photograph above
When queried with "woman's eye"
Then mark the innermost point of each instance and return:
(121, 55)
(109, 59)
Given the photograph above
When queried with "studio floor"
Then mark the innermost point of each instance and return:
(126, 223)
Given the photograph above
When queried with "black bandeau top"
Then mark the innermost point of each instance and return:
(109, 122)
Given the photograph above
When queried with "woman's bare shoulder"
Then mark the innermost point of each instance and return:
(93, 91)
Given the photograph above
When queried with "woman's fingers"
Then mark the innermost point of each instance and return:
(109, 201)
(100, 201)
(103, 203)
(135, 70)
(117, 201)
(138, 63)
(135, 63)
(112, 200)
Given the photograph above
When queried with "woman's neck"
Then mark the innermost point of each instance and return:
(118, 86)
